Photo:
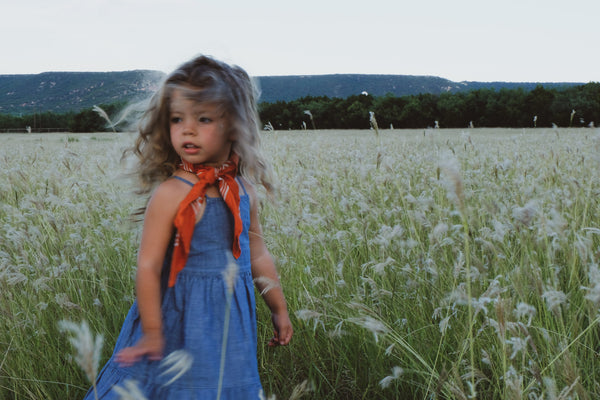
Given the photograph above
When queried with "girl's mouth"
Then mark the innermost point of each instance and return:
(190, 148)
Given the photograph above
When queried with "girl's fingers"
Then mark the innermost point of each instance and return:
(285, 337)
(128, 356)
(281, 339)
(274, 340)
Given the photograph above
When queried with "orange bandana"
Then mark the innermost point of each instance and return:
(185, 220)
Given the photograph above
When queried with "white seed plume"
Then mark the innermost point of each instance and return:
(514, 382)
(525, 310)
(301, 389)
(105, 116)
(438, 232)
(87, 348)
(444, 324)
(390, 349)
(387, 381)
(337, 330)
(485, 357)
(176, 363)
(312, 121)
(231, 272)
(62, 299)
(379, 268)
(373, 122)
(525, 214)
(453, 181)
(593, 292)
(584, 245)
(518, 345)
(261, 396)
(130, 391)
(308, 315)
(266, 283)
(554, 299)
(375, 326)
(230, 275)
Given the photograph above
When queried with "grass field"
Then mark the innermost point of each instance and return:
(417, 264)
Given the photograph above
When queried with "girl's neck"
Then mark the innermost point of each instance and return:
(191, 166)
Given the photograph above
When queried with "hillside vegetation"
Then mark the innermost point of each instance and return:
(62, 92)
(74, 91)
(308, 102)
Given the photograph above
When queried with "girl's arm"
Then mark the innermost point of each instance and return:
(156, 234)
(266, 278)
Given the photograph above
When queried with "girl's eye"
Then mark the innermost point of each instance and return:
(205, 120)
(175, 120)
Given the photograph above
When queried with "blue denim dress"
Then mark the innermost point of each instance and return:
(194, 312)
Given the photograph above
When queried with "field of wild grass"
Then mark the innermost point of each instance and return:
(417, 264)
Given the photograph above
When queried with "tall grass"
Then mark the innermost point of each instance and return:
(436, 264)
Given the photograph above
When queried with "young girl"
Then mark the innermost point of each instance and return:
(201, 247)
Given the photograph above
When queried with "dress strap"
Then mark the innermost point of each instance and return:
(183, 180)
(241, 182)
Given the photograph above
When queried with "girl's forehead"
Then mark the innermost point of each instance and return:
(179, 102)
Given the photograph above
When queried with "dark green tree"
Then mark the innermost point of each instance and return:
(538, 104)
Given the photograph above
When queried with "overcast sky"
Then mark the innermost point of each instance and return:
(461, 40)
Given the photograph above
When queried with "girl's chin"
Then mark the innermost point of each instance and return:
(201, 160)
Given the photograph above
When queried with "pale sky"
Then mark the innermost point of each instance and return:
(461, 40)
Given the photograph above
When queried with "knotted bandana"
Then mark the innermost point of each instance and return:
(185, 220)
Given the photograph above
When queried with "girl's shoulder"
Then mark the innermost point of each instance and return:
(170, 193)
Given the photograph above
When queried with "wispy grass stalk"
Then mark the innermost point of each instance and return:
(312, 121)
(129, 391)
(104, 116)
(177, 363)
(229, 276)
(87, 348)
(373, 122)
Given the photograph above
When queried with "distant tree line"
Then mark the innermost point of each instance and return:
(540, 107)
(86, 120)
(570, 106)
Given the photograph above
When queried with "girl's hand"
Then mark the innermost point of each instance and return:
(151, 345)
(283, 329)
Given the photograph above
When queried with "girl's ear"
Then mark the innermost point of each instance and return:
(232, 134)
(228, 128)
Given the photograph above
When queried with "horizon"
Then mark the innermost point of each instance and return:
(304, 75)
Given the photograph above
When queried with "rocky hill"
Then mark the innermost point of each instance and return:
(73, 91)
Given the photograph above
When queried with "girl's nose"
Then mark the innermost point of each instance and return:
(189, 128)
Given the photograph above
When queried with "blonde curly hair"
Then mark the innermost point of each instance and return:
(202, 79)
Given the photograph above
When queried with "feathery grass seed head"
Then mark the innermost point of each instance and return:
(87, 348)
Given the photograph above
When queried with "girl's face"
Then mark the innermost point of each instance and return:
(198, 131)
